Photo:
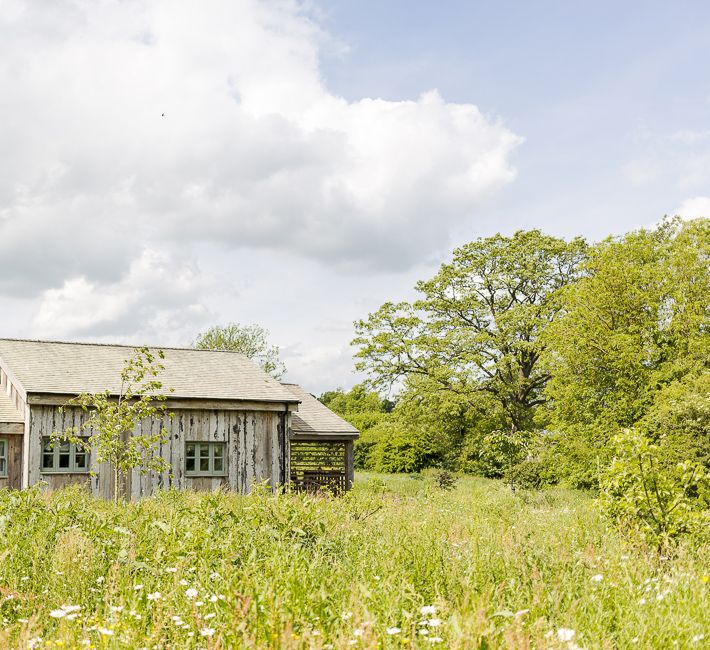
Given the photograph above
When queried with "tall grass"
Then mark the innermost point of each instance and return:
(397, 563)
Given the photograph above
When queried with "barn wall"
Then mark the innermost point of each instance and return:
(254, 449)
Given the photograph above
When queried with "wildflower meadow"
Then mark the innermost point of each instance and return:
(397, 563)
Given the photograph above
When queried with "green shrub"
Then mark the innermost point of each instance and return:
(645, 492)
(400, 450)
(527, 474)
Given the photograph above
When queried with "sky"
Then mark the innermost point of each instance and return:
(170, 165)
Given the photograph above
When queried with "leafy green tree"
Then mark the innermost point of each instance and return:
(113, 418)
(250, 340)
(633, 326)
(477, 325)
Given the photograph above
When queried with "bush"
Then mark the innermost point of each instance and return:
(644, 492)
(445, 480)
(527, 474)
(400, 450)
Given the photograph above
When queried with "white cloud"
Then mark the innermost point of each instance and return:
(698, 206)
(158, 297)
(253, 150)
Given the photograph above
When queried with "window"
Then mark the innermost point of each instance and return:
(3, 458)
(63, 457)
(204, 458)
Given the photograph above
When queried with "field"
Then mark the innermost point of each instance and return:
(398, 563)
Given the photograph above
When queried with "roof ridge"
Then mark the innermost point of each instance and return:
(119, 345)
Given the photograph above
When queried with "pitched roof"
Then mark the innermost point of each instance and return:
(314, 417)
(8, 412)
(73, 368)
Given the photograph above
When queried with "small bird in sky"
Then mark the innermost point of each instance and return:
(163, 114)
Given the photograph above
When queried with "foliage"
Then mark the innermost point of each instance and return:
(364, 410)
(112, 419)
(218, 570)
(250, 340)
(476, 326)
(637, 321)
(647, 491)
(445, 480)
(400, 449)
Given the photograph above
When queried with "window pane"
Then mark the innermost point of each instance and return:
(189, 464)
(63, 461)
(80, 460)
(190, 449)
(218, 464)
(47, 461)
(218, 450)
(204, 464)
(47, 444)
(204, 451)
(64, 447)
(3, 467)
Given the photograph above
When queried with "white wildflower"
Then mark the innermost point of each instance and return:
(434, 622)
(104, 631)
(697, 638)
(565, 634)
(346, 615)
(207, 617)
(358, 632)
(57, 613)
(428, 610)
(137, 587)
(34, 642)
(423, 631)
(207, 631)
(393, 630)
(184, 582)
(597, 578)
(154, 596)
(213, 599)
(99, 580)
(170, 569)
(191, 592)
(435, 639)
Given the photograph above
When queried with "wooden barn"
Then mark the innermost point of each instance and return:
(232, 424)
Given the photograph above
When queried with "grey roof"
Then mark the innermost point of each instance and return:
(73, 368)
(8, 412)
(314, 417)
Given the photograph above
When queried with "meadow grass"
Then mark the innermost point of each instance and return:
(396, 563)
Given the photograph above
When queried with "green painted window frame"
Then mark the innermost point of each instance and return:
(201, 455)
(3, 458)
(63, 449)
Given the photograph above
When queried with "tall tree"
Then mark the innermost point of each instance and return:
(637, 322)
(476, 327)
(251, 340)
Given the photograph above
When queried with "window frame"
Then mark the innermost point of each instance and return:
(4, 447)
(211, 445)
(56, 452)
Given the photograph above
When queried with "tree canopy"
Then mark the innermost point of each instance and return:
(251, 340)
(476, 327)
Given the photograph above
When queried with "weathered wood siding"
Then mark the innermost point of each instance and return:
(253, 449)
(14, 462)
